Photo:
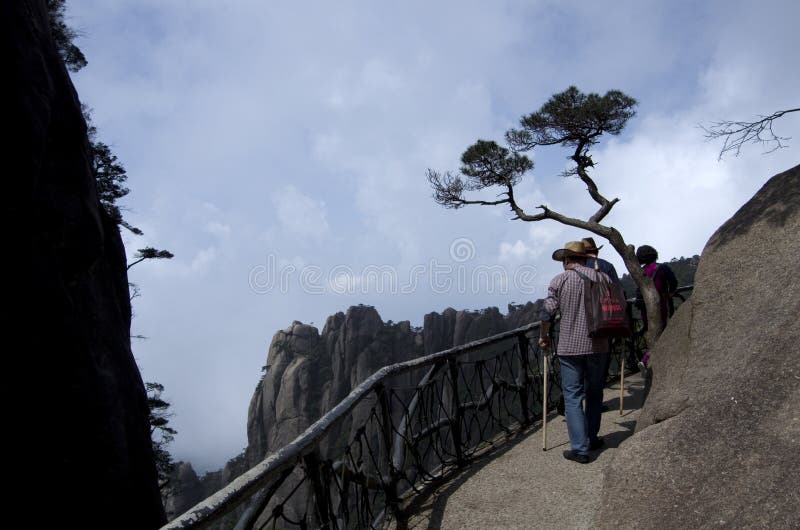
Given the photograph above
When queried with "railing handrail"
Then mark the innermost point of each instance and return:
(243, 487)
(250, 481)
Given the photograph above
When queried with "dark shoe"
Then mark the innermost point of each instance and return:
(597, 444)
(576, 457)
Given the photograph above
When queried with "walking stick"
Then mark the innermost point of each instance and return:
(544, 403)
(621, 381)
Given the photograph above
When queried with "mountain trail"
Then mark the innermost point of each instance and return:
(521, 486)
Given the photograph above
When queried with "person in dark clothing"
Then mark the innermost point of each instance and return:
(598, 264)
(665, 283)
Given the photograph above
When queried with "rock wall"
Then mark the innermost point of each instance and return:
(77, 411)
(718, 440)
(308, 373)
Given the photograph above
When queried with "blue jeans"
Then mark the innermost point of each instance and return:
(582, 379)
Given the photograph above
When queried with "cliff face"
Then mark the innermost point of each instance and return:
(79, 412)
(308, 373)
(717, 440)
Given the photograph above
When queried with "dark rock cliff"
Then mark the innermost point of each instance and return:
(718, 440)
(81, 453)
(308, 373)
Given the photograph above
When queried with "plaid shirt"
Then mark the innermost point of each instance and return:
(565, 294)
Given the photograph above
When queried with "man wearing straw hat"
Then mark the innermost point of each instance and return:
(582, 359)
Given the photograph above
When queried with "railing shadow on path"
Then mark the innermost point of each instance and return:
(407, 428)
(433, 503)
(435, 500)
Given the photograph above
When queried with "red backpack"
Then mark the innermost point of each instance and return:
(605, 304)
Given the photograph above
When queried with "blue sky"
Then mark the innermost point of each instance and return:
(293, 137)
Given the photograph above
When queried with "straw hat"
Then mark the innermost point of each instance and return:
(590, 245)
(572, 249)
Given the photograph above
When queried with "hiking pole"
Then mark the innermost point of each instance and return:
(544, 402)
(621, 381)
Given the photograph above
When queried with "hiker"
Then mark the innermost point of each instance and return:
(598, 264)
(665, 283)
(581, 358)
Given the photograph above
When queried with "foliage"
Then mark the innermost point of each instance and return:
(108, 171)
(570, 119)
(150, 253)
(109, 174)
(63, 36)
(161, 433)
(684, 269)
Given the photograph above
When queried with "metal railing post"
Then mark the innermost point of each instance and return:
(321, 495)
(456, 414)
(390, 488)
(621, 381)
(524, 391)
(544, 399)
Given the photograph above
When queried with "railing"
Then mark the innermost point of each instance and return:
(405, 428)
(679, 293)
(412, 423)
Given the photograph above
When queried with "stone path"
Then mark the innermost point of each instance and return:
(521, 486)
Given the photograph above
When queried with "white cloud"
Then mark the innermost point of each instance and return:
(218, 229)
(299, 214)
(545, 233)
(516, 252)
(202, 259)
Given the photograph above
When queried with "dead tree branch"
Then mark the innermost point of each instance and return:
(736, 134)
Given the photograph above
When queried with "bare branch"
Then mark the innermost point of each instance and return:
(582, 162)
(738, 133)
(134, 291)
(448, 190)
(591, 226)
(604, 210)
(519, 212)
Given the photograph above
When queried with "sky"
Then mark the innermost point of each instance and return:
(280, 149)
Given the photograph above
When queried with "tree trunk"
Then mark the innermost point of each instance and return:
(628, 254)
(645, 285)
